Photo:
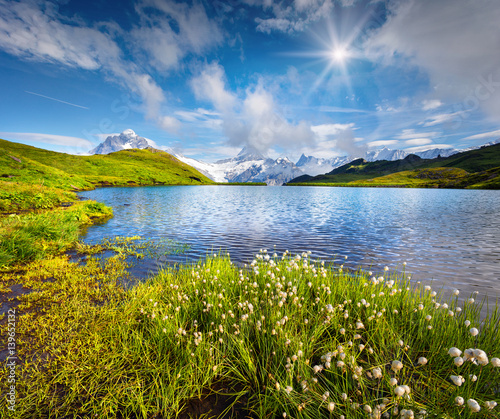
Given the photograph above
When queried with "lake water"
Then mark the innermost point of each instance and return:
(449, 236)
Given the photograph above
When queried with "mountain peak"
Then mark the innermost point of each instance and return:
(129, 133)
(126, 140)
(249, 153)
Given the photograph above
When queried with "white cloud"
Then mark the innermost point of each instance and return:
(345, 141)
(325, 130)
(169, 31)
(428, 105)
(201, 117)
(169, 123)
(427, 147)
(254, 120)
(210, 85)
(443, 118)
(36, 31)
(408, 134)
(454, 41)
(418, 141)
(290, 17)
(335, 109)
(382, 143)
(75, 143)
(484, 135)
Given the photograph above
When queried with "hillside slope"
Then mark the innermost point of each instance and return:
(28, 172)
(471, 169)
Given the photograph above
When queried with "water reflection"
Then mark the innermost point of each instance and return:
(451, 236)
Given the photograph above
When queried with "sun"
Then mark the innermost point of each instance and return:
(339, 55)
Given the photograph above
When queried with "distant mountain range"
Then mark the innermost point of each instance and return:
(251, 166)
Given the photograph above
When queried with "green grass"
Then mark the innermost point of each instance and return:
(283, 335)
(32, 236)
(419, 178)
(30, 165)
(16, 197)
(439, 177)
(476, 169)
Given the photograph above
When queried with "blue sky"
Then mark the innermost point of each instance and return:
(320, 77)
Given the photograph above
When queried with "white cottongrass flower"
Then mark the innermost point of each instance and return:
(428, 317)
(495, 362)
(459, 400)
(367, 408)
(456, 292)
(468, 354)
(458, 380)
(473, 377)
(393, 381)
(474, 332)
(396, 365)
(422, 360)
(377, 373)
(407, 414)
(473, 405)
(481, 356)
(490, 405)
(399, 391)
(454, 352)
(331, 406)
(467, 323)
(288, 389)
(458, 361)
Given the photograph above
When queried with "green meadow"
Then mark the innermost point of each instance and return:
(284, 336)
(475, 169)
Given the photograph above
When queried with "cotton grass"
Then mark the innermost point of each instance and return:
(285, 334)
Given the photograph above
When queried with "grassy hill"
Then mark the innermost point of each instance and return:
(33, 178)
(39, 185)
(472, 169)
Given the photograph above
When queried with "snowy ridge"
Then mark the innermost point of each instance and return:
(125, 141)
(251, 166)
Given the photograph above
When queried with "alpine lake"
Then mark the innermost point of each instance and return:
(448, 238)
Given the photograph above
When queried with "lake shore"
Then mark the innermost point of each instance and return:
(284, 335)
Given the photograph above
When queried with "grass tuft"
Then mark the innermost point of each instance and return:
(285, 334)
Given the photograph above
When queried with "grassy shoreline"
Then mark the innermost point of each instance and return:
(283, 335)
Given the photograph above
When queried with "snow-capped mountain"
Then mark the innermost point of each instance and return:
(313, 166)
(248, 166)
(251, 166)
(126, 140)
(384, 154)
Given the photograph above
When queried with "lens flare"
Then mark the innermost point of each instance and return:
(339, 55)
